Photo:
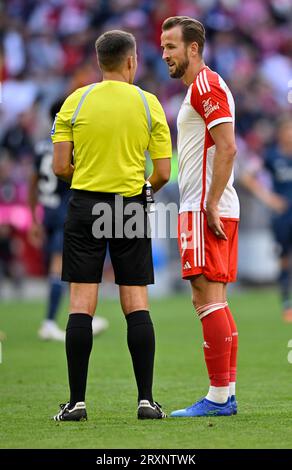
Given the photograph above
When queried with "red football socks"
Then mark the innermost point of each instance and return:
(217, 346)
(234, 346)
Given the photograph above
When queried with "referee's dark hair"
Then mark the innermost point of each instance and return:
(112, 48)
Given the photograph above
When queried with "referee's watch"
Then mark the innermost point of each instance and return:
(148, 196)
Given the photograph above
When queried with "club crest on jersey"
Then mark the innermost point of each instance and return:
(209, 107)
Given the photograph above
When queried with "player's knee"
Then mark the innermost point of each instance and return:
(133, 298)
(198, 294)
(56, 264)
(198, 297)
(133, 306)
(195, 304)
(83, 298)
(82, 308)
(80, 305)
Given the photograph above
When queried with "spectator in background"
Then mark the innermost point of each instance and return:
(17, 139)
(12, 194)
(278, 162)
(249, 43)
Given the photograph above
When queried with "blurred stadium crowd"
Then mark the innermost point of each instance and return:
(47, 51)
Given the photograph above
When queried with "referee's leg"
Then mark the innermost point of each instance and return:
(83, 301)
(133, 268)
(140, 337)
(83, 258)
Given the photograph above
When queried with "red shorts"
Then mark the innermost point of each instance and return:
(204, 253)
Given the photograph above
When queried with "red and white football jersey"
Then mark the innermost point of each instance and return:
(208, 102)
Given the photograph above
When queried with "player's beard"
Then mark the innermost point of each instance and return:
(180, 69)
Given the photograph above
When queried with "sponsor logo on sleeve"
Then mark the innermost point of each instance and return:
(209, 107)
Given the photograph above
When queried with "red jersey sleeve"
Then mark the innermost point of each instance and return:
(210, 99)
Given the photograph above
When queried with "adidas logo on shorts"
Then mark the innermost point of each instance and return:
(187, 265)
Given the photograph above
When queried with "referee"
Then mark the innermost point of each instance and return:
(109, 125)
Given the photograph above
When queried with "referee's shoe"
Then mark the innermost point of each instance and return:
(150, 410)
(77, 413)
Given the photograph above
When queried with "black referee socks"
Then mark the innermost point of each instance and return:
(78, 348)
(141, 343)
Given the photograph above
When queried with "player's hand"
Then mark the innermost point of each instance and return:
(278, 203)
(214, 222)
(36, 235)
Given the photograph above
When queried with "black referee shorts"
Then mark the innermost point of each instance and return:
(87, 236)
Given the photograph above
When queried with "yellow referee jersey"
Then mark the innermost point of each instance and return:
(112, 124)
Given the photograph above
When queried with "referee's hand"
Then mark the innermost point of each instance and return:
(214, 222)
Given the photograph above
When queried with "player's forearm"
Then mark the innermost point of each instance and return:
(258, 190)
(33, 207)
(157, 182)
(33, 197)
(66, 174)
(272, 200)
(222, 169)
(32, 202)
(160, 174)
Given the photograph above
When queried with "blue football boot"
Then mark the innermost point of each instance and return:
(233, 404)
(204, 407)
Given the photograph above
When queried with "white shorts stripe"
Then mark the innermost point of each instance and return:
(198, 230)
(203, 239)
(194, 238)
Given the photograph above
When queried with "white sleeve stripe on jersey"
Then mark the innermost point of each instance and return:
(202, 83)
(206, 80)
(198, 85)
(219, 121)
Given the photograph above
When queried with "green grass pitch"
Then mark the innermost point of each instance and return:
(33, 381)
